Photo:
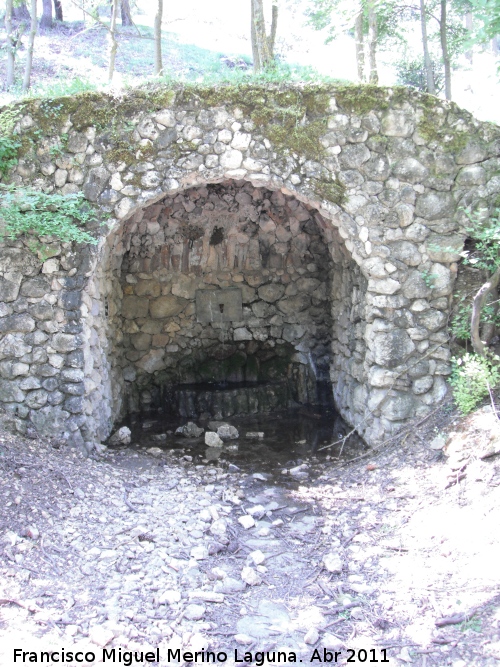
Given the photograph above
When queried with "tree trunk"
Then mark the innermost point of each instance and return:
(372, 43)
(429, 74)
(21, 13)
(469, 27)
(113, 44)
(274, 27)
(126, 15)
(46, 20)
(444, 48)
(255, 49)
(58, 10)
(360, 47)
(11, 53)
(31, 44)
(477, 307)
(158, 54)
(261, 38)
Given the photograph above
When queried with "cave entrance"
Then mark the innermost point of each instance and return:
(226, 305)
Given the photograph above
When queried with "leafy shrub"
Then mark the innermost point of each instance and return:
(26, 212)
(486, 236)
(471, 376)
(8, 154)
(460, 323)
(412, 73)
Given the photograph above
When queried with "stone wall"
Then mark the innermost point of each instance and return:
(383, 176)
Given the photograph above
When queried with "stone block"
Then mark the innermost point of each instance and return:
(166, 306)
(134, 307)
(141, 341)
(10, 392)
(50, 421)
(9, 288)
(444, 248)
(223, 305)
(434, 205)
(36, 399)
(231, 159)
(398, 406)
(62, 342)
(396, 123)
(184, 287)
(392, 348)
(271, 292)
(35, 287)
(96, 182)
(410, 170)
(152, 361)
(21, 323)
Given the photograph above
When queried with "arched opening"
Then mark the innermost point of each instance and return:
(225, 299)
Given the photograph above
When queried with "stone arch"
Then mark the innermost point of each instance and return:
(331, 295)
(387, 170)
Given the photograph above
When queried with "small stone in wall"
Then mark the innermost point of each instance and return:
(121, 437)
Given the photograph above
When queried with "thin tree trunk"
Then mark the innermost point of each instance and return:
(31, 45)
(58, 10)
(360, 47)
(261, 39)
(444, 48)
(126, 14)
(429, 74)
(257, 66)
(46, 20)
(372, 43)
(113, 44)
(469, 27)
(21, 13)
(477, 307)
(274, 28)
(158, 54)
(11, 53)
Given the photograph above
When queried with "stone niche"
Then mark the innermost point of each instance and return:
(226, 283)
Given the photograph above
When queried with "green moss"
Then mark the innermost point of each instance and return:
(449, 140)
(293, 118)
(333, 192)
(362, 99)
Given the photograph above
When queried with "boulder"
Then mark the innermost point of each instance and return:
(121, 437)
(189, 430)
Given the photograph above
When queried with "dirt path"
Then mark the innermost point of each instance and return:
(395, 555)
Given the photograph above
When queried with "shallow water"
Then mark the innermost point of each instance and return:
(267, 443)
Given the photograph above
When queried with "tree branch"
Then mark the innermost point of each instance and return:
(477, 307)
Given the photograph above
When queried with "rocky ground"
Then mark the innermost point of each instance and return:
(396, 551)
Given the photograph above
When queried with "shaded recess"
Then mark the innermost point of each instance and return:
(225, 287)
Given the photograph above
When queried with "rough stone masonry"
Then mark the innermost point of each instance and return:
(308, 231)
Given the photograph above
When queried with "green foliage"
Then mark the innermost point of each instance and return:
(473, 623)
(471, 376)
(485, 231)
(460, 322)
(27, 213)
(428, 278)
(8, 154)
(486, 18)
(339, 17)
(411, 72)
(63, 88)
